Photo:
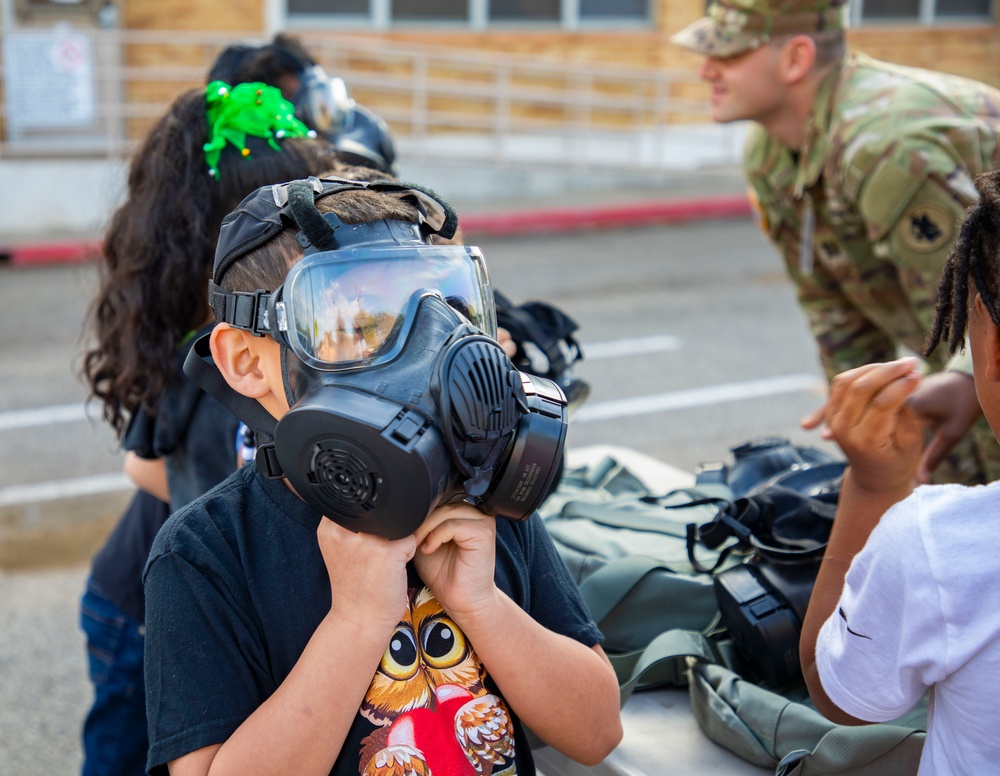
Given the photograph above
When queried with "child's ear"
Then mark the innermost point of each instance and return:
(991, 341)
(237, 355)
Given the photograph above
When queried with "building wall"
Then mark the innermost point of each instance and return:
(967, 50)
(204, 25)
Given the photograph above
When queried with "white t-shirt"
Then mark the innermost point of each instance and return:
(921, 609)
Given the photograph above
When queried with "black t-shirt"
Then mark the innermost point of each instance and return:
(191, 431)
(117, 566)
(196, 438)
(235, 588)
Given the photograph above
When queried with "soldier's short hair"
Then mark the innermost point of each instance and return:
(831, 46)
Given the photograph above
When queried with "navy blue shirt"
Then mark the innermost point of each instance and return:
(235, 588)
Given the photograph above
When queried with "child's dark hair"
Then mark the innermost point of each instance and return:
(268, 63)
(159, 248)
(975, 255)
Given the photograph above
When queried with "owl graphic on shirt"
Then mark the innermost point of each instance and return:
(434, 714)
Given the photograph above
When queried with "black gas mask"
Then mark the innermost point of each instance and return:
(401, 399)
(321, 102)
(324, 103)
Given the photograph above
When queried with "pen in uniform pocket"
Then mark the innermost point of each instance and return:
(806, 235)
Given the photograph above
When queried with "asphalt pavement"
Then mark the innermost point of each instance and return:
(695, 344)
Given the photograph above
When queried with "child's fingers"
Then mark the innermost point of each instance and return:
(465, 533)
(459, 509)
(884, 415)
(854, 393)
(841, 386)
(882, 393)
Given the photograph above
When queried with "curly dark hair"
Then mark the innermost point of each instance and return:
(973, 256)
(159, 248)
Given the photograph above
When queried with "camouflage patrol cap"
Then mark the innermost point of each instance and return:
(732, 27)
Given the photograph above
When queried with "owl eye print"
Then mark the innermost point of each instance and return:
(429, 700)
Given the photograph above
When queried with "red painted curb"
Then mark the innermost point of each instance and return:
(51, 253)
(605, 216)
(495, 224)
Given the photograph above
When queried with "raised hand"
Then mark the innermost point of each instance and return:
(868, 415)
(455, 558)
(367, 574)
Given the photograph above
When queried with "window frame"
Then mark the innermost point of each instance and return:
(379, 18)
(927, 16)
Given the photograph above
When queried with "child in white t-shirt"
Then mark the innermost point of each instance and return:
(908, 596)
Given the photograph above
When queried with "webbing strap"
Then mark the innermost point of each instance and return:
(198, 365)
(662, 662)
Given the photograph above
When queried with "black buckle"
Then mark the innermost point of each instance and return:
(267, 462)
(247, 311)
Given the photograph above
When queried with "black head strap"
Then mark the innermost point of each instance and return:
(269, 210)
(200, 367)
(437, 211)
(318, 230)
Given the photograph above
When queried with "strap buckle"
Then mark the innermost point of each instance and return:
(242, 310)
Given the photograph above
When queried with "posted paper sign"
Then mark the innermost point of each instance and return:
(49, 79)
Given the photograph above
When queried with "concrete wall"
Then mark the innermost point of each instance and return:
(53, 200)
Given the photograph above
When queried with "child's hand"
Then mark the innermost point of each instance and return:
(455, 558)
(367, 574)
(879, 433)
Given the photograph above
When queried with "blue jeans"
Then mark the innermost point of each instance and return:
(114, 734)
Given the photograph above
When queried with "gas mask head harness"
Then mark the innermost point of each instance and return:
(400, 397)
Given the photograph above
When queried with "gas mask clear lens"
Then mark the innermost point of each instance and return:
(327, 102)
(352, 309)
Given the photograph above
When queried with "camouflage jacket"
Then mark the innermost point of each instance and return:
(866, 213)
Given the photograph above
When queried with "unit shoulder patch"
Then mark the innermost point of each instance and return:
(926, 227)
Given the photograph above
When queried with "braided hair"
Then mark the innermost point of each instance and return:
(973, 256)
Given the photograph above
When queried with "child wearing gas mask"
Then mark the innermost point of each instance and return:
(406, 631)
(908, 596)
(360, 136)
(151, 303)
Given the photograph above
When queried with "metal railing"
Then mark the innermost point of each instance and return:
(440, 103)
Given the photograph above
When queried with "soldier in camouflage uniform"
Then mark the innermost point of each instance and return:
(860, 172)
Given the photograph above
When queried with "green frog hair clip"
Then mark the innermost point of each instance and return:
(248, 109)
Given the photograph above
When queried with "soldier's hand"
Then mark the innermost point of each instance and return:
(947, 405)
(815, 419)
(506, 342)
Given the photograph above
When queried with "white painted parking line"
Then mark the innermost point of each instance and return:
(589, 413)
(660, 343)
(60, 489)
(74, 413)
(42, 416)
(697, 397)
